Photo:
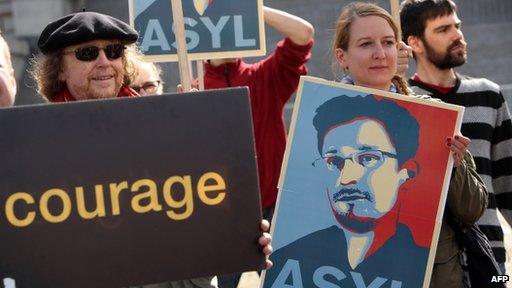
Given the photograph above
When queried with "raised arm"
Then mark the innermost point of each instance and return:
(298, 30)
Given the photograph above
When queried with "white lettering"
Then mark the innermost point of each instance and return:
(500, 278)
(154, 27)
(215, 29)
(191, 35)
(293, 267)
(358, 280)
(318, 276)
(239, 33)
(290, 276)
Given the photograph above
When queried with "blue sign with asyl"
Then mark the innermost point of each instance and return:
(213, 28)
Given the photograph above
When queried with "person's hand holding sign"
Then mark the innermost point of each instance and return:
(458, 144)
(265, 240)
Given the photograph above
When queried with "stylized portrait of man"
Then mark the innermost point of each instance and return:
(365, 145)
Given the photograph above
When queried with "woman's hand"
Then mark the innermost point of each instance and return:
(458, 144)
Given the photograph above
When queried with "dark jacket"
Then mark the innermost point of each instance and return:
(467, 199)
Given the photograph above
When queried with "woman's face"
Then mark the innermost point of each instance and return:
(101, 77)
(371, 54)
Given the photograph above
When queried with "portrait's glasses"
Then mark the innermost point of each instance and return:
(150, 87)
(90, 53)
(365, 158)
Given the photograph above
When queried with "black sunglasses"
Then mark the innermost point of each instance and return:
(90, 53)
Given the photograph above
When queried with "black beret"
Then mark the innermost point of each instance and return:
(82, 27)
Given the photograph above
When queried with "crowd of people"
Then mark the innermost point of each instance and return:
(80, 63)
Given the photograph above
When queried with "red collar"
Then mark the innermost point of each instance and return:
(440, 89)
(65, 96)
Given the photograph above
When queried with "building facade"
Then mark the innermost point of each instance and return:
(487, 26)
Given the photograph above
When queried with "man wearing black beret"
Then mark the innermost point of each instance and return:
(86, 56)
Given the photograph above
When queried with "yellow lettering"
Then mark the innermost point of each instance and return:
(9, 209)
(177, 192)
(151, 194)
(115, 190)
(66, 205)
(218, 186)
(187, 201)
(100, 203)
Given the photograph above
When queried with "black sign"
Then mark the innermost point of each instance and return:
(128, 191)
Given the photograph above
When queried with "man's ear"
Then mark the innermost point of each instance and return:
(416, 44)
(341, 57)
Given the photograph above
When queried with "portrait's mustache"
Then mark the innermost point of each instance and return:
(346, 194)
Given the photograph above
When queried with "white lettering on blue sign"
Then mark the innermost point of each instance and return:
(319, 280)
(215, 29)
(358, 280)
(292, 267)
(154, 28)
(189, 34)
(154, 35)
(239, 34)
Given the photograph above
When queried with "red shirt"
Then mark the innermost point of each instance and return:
(271, 82)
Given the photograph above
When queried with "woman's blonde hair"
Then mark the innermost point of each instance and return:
(342, 35)
(46, 68)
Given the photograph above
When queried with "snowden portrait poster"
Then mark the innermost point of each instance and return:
(362, 188)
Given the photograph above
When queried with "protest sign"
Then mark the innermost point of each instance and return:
(129, 191)
(213, 29)
(362, 188)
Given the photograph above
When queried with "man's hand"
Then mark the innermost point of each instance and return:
(265, 240)
(180, 89)
(402, 63)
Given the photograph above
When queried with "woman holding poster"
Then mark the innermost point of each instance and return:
(365, 48)
(373, 153)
